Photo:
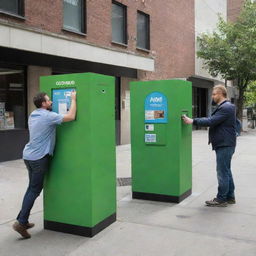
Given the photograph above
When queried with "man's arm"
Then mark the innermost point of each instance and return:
(71, 115)
(214, 120)
(219, 117)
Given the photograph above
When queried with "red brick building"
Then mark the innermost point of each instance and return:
(234, 8)
(131, 40)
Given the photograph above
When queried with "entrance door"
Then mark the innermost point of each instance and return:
(200, 101)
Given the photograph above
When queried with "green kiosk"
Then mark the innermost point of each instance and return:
(80, 188)
(160, 142)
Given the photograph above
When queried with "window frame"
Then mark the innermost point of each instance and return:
(21, 11)
(147, 31)
(83, 20)
(125, 35)
(24, 71)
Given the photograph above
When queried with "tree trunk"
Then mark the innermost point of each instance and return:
(240, 104)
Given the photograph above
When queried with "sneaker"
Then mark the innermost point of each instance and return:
(21, 229)
(216, 203)
(231, 201)
(29, 225)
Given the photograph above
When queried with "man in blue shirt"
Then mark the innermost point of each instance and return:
(36, 154)
(222, 136)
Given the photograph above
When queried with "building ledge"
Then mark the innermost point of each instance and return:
(45, 42)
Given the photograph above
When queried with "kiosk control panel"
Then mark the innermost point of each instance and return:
(61, 100)
(156, 118)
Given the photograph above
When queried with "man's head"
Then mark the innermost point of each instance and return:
(42, 100)
(219, 93)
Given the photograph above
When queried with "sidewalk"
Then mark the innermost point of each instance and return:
(146, 228)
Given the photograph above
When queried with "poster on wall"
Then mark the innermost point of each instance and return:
(156, 108)
(61, 100)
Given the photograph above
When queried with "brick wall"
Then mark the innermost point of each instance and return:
(234, 8)
(172, 37)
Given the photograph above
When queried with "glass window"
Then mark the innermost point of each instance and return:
(143, 30)
(73, 15)
(12, 6)
(12, 99)
(119, 23)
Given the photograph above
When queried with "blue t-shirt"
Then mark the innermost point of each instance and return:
(42, 128)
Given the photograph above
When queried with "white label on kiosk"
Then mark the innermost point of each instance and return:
(149, 127)
(150, 137)
(62, 107)
(149, 115)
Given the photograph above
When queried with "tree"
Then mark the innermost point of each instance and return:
(250, 95)
(230, 51)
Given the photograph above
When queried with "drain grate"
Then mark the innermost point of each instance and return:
(124, 182)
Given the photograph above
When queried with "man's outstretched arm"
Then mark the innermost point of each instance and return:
(71, 115)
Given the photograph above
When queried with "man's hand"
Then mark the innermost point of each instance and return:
(73, 95)
(187, 120)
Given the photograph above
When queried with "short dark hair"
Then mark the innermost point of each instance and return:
(39, 99)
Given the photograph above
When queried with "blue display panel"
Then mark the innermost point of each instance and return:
(61, 100)
(156, 108)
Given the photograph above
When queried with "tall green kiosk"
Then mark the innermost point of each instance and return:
(160, 142)
(80, 188)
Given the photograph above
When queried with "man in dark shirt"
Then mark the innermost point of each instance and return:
(222, 136)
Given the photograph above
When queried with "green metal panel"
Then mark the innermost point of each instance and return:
(80, 188)
(163, 167)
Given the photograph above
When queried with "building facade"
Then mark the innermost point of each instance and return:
(207, 14)
(130, 40)
(206, 18)
(234, 8)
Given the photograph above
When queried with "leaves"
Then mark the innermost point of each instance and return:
(250, 95)
(230, 51)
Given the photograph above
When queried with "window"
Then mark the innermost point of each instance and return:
(73, 15)
(119, 23)
(12, 6)
(12, 99)
(143, 31)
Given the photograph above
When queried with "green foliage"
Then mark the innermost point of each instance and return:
(250, 95)
(231, 50)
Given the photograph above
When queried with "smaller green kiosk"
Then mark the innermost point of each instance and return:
(80, 188)
(160, 142)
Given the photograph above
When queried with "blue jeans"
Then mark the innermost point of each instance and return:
(36, 172)
(226, 185)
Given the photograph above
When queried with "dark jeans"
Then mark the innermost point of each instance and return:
(226, 186)
(36, 172)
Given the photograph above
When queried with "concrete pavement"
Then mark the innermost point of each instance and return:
(145, 228)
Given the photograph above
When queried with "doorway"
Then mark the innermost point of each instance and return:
(200, 102)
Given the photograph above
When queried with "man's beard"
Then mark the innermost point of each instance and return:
(49, 108)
